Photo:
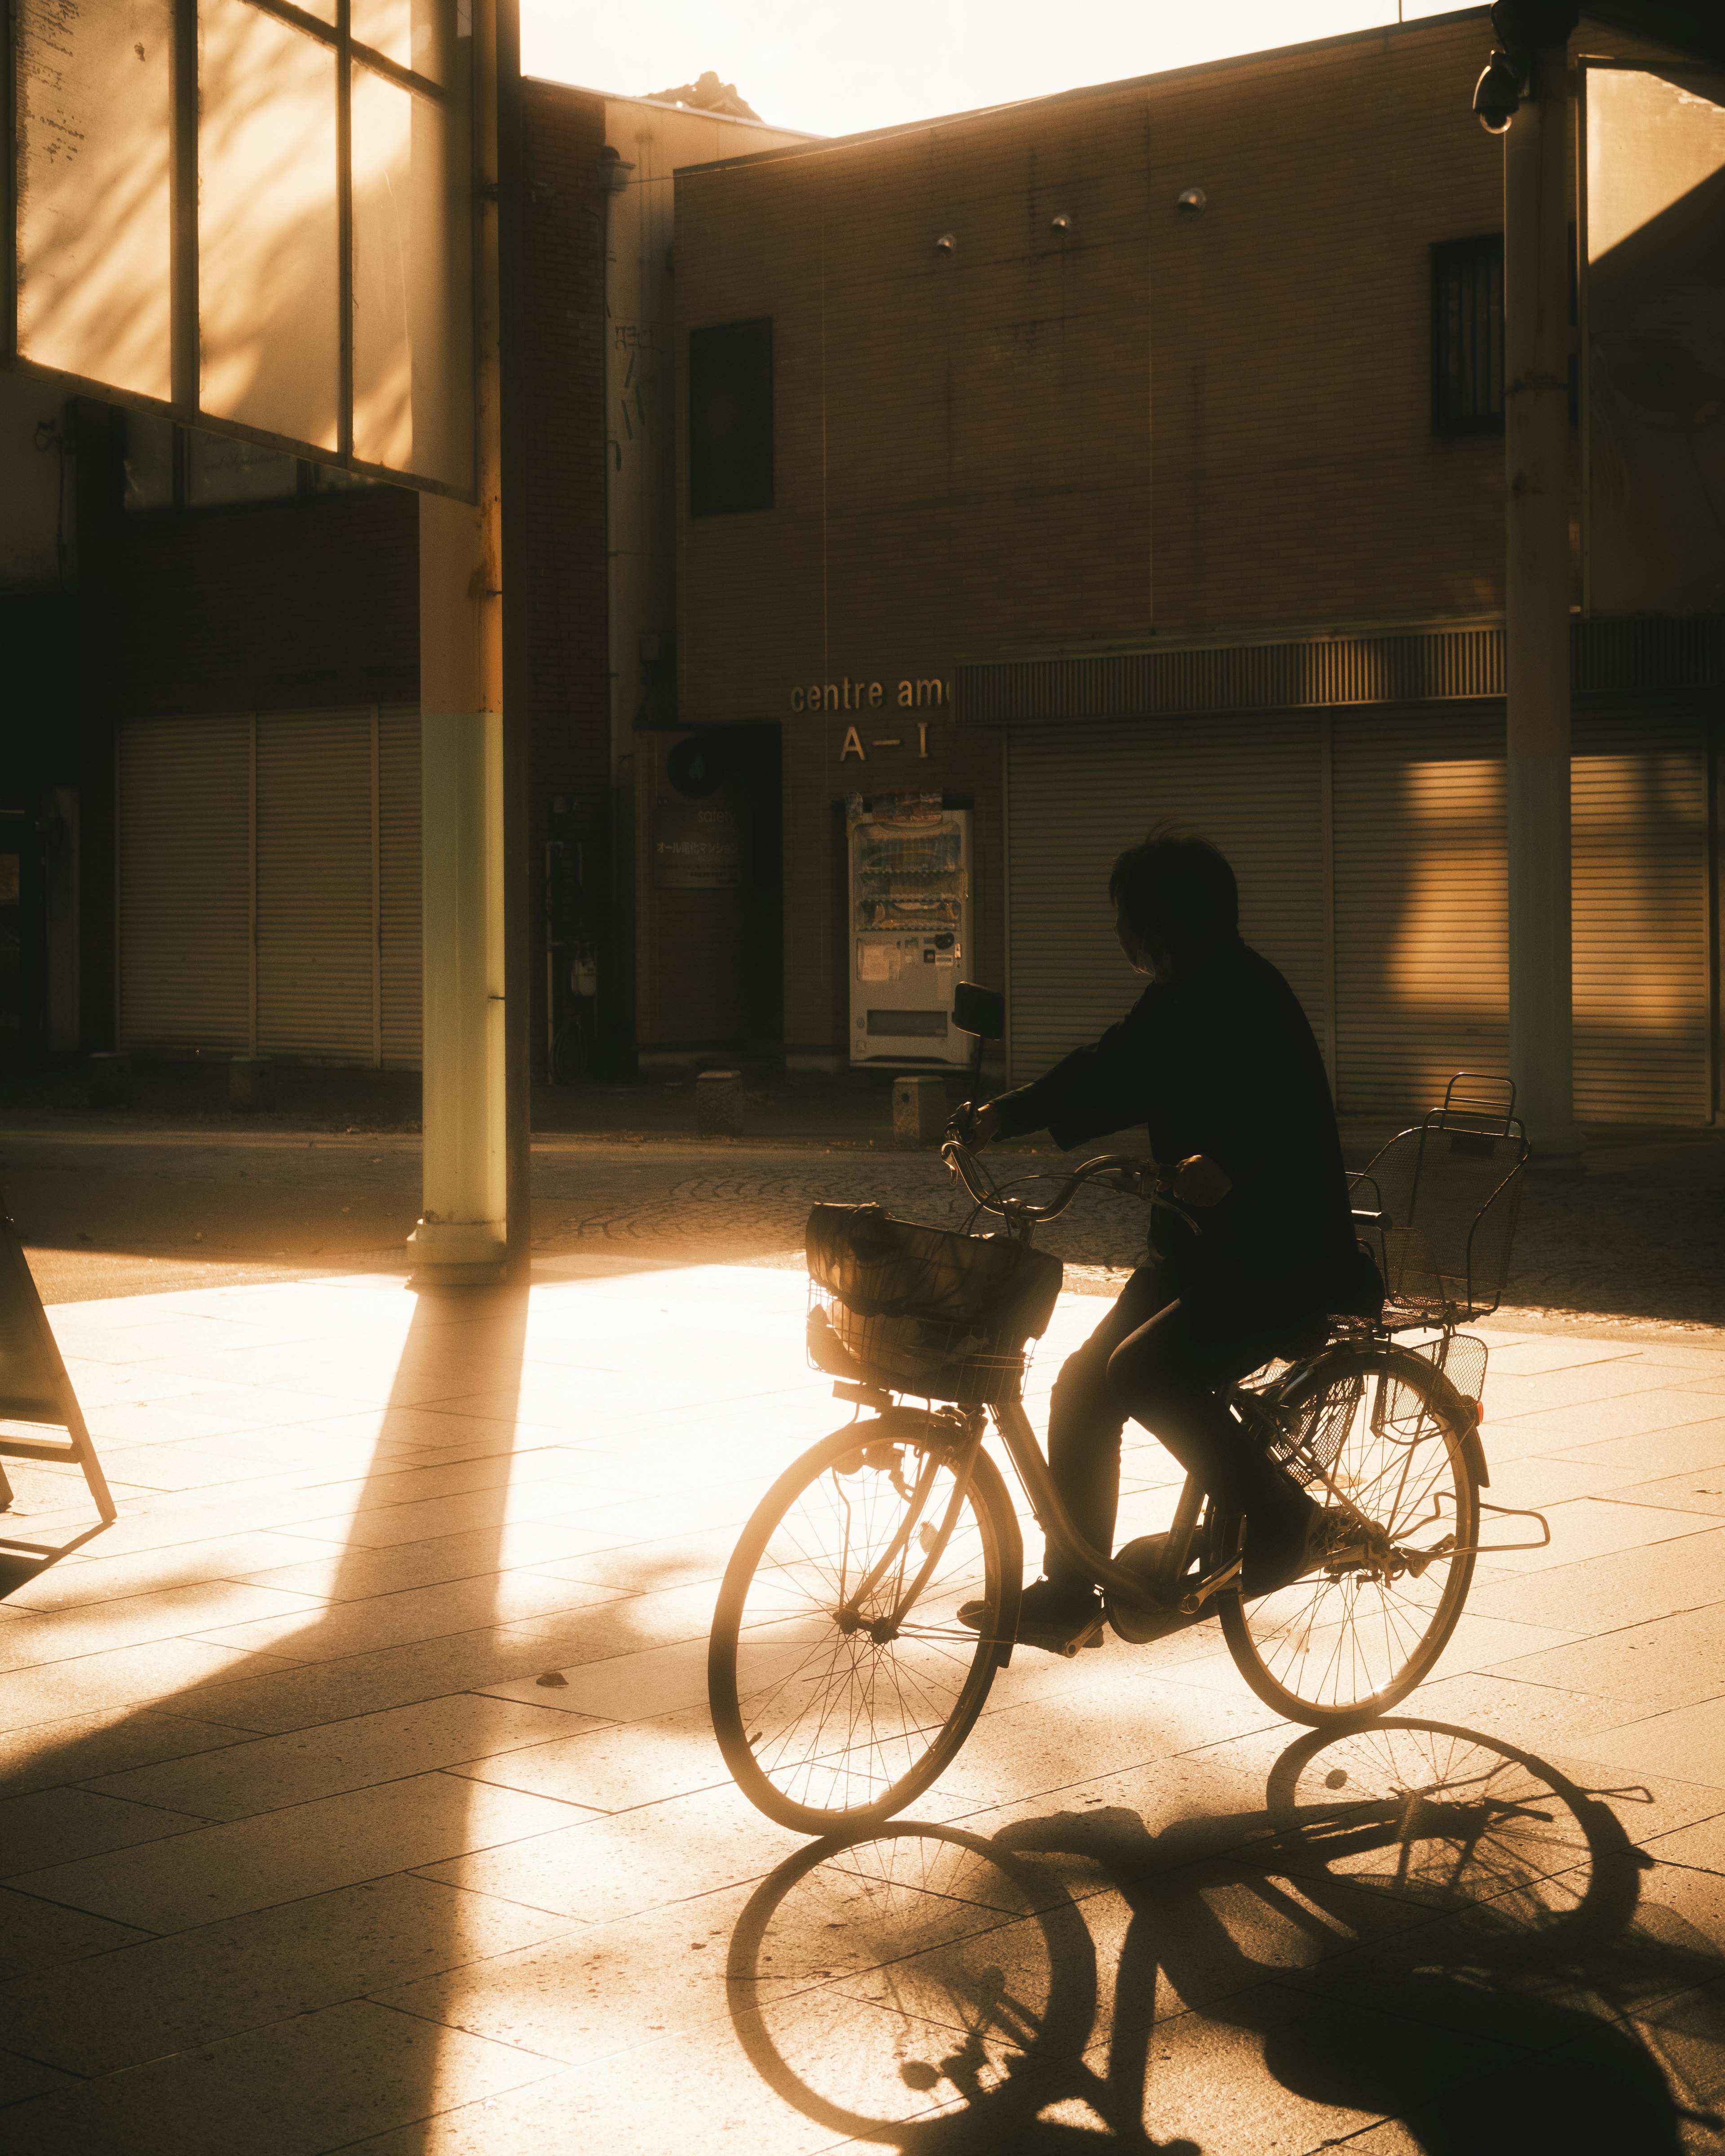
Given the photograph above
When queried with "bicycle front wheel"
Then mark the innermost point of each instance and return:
(1349, 1640)
(828, 1714)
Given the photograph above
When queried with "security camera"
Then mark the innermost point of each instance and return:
(1497, 94)
(1192, 202)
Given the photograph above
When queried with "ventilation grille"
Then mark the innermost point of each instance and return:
(1435, 666)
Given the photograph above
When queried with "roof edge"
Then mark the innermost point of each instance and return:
(1420, 23)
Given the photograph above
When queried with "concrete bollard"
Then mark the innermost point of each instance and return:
(111, 1078)
(251, 1082)
(919, 1109)
(718, 1104)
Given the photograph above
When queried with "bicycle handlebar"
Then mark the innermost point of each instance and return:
(1136, 1173)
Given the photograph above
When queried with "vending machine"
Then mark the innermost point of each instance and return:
(910, 929)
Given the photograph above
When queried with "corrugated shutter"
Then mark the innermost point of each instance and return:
(399, 884)
(1422, 969)
(1079, 795)
(1422, 982)
(184, 869)
(316, 926)
(1640, 884)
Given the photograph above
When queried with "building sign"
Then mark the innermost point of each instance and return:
(853, 742)
(699, 845)
(847, 695)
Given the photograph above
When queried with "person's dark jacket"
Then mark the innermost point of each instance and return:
(1221, 1062)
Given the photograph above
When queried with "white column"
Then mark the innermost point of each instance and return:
(1535, 402)
(462, 1235)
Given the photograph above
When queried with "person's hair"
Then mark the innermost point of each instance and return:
(1177, 882)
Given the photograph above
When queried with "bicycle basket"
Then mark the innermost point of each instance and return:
(1450, 1188)
(924, 1310)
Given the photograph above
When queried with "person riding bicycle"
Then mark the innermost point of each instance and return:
(1218, 1060)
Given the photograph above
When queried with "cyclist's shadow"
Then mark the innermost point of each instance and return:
(1491, 2016)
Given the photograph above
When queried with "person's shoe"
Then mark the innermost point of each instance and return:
(1059, 1619)
(1284, 1545)
(1275, 1545)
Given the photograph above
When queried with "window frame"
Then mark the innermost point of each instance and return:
(305, 486)
(1449, 421)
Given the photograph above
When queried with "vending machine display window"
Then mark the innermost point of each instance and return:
(910, 880)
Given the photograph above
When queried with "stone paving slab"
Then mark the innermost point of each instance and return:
(362, 1792)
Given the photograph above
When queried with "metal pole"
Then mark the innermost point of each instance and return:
(1536, 404)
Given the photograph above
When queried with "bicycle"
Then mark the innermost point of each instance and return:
(841, 1680)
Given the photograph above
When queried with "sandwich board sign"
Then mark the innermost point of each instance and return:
(256, 217)
(36, 1395)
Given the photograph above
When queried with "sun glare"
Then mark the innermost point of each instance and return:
(838, 72)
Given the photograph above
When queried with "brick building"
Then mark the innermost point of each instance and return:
(1137, 451)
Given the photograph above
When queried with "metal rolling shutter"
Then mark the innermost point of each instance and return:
(1640, 882)
(316, 887)
(1079, 795)
(400, 954)
(184, 876)
(1422, 978)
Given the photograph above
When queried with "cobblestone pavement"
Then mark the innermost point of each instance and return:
(1636, 1240)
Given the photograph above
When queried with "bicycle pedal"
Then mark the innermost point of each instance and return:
(1064, 1644)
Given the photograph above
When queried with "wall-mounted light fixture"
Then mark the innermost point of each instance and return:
(614, 169)
(1191, 202)
(1061, 223)
(946, 242)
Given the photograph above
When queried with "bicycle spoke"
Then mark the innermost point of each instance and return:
(832, 1717)
(1344, 1639)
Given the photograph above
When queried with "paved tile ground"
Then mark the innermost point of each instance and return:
(358, 1791)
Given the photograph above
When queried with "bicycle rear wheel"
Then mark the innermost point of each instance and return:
(821, 1721)
(1349, 1640)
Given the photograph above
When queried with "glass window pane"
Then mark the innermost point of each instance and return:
(269, 285)
(222, 468)
(94, 217)
(731, 418)
(148, 461)
(413, 33)
(412, 323)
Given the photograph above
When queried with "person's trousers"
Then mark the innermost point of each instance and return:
(1148, 1361)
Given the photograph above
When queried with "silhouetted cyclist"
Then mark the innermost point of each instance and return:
(1216, 1057)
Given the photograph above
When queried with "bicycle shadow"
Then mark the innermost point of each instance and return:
(1421, 1925)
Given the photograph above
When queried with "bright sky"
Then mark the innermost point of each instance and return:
(832, 70)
